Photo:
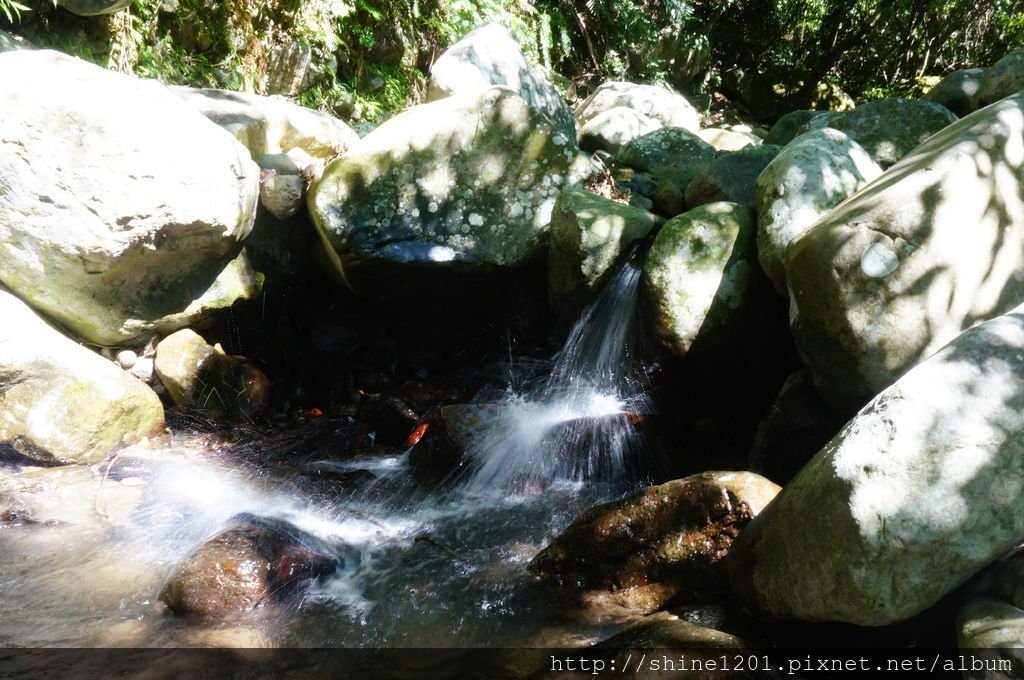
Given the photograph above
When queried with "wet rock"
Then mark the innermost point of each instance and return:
(662, 541)
(488, 56)
(702, 281)
(666, 106)
(917, 493)
(888, 129)
(588, 236)
(60, 402)
(200, 377)
(1004, 78)
(665, 630)
(731, 177)
(958, 90)
(271, 125)
(440, 447)
(811, 175)
(389, 420)
(787, 127)
(612, 129)
(931, 247)
(990, 625)
(251, 562)
(117, 242)
(796, 426)
(728, 140)
(455, 190)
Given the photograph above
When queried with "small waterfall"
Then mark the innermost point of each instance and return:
(580, 423)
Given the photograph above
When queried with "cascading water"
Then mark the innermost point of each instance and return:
(580, 423)
(441, 570)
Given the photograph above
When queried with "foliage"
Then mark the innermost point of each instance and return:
(12, 9)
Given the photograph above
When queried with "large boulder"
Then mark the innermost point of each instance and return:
(702, 281)
(588, 235)
(958, 90)
(271, 125)
(667, 150)
(918, 492)
(931, 247)
(731, 177)
(612, 129)
(660, 541)
(665, 106)
(888, 128)
(488, 56)
(813, 174)
(121, 204)
(788, 126)
(60, 402)
(1004, 78)
(724, 139)
(461, 187)
(253, 561)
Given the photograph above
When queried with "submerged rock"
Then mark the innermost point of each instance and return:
(813, 174)
(459, 188)
(251, 562)
(121, 204)
(588, 235)
(917, 493)
(60, 402)
(664, 540)
(931, 247)
(489, 56)
(200, 377)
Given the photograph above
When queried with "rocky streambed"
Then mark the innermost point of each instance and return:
(506, 373)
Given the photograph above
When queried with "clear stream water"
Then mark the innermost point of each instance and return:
(435, 570)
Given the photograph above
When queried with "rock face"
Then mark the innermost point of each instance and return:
(120, 205)
(253, 561)
(958, 90)
(460, 187)
(1004, 78)
(271, 125)
(917, 493)
(888, 129)
(658, 103)
(662, 540)
(610, 130)
(199, 377)
(702, 280)
(91, 8)
(488, 56)
(60, 402)
(933, 246)
(588, 234)
(731, 177)
(813, 174)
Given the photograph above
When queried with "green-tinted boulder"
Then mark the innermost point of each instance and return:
(669, 149)
(60, 402)
(931, 247)
(121, 205)
(888, 129)
(813, 174)
(958, 90)
(610, 130)
(787, 127)
(917, 493)
(731, 177)
(461, 187)
(1004, 78)
(702, 281)
(588, 234)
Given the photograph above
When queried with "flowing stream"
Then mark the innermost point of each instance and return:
(419, 568)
